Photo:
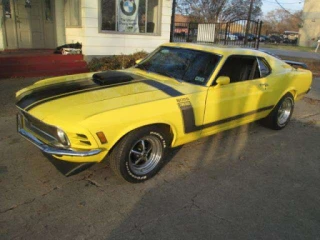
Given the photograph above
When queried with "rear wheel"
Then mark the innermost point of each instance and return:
(280, 116)
(140, 154)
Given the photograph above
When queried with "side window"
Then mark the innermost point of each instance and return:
(73, 13)
(240, 68)
(263, 67)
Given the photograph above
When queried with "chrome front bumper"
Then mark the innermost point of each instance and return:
(53, 150)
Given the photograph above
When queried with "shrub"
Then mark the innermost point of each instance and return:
(115, 62)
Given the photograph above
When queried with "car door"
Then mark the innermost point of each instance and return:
(244, 99)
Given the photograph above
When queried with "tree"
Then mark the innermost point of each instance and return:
(202, 10)
(280, 20)
(218, 10)
(238, 9)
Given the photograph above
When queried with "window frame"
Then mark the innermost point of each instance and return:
(67, 15)
(265, 62)
(157, 26)
(251, 56)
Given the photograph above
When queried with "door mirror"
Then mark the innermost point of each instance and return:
(223, 80)
(139, 60)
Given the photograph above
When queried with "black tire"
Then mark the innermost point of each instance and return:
(140, 154)
(280, 116)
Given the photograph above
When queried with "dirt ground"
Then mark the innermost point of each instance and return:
(247, 183)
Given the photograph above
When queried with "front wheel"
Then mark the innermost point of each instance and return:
(280, 116)
(140, 155)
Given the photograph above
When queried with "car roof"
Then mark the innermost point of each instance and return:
(217, 50)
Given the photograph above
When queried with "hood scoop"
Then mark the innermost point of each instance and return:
(112, 77)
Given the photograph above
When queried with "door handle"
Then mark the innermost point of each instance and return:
(264, 85)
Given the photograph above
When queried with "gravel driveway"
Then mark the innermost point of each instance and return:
(247, 183)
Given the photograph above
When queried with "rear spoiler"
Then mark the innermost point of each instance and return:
(296, 64)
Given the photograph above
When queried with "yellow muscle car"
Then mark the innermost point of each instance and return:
(177, 94)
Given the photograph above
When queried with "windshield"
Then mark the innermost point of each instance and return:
(182, 64)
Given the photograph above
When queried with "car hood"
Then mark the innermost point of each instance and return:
(81, 97)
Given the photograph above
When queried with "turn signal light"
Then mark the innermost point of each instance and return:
(102, 137)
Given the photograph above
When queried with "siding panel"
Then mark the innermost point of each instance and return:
(98, 43)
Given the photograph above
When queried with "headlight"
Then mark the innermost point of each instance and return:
(63, 137)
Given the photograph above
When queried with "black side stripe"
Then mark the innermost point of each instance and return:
(188, 117)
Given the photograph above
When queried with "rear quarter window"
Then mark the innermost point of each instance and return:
(264, 67)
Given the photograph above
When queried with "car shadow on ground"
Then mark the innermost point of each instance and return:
(268, 190)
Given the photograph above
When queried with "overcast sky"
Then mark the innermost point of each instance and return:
(290, 5)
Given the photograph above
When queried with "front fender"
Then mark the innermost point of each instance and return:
(117, 123)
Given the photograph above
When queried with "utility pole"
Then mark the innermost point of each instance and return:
(248, 23)
(173, 14)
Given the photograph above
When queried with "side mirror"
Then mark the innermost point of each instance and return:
(139, 60)
(223, 80)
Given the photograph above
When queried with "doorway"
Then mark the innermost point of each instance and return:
(29, 24)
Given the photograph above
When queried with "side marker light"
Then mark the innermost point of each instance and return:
(102, 137)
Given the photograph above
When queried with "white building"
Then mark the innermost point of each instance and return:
(310, 32)
(104, 27)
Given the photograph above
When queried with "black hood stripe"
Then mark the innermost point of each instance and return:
(44, 94)
(165, 88)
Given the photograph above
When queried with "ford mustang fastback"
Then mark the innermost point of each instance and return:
(177, 94)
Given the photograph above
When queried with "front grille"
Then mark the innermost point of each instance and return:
(46, 132)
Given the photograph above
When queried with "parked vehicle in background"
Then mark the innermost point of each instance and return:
(251, 37)
(290, 37)
(264, 38)
(275, 39)
(230, 36)
(241, 36)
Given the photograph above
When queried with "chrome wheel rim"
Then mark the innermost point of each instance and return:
(145, 155)
(284, 111)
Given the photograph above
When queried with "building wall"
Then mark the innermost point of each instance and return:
(96, 43)
(310, 32)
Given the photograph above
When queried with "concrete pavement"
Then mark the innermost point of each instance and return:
(247, 183)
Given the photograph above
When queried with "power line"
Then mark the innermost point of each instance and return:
(288, 11)
(284, 3)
